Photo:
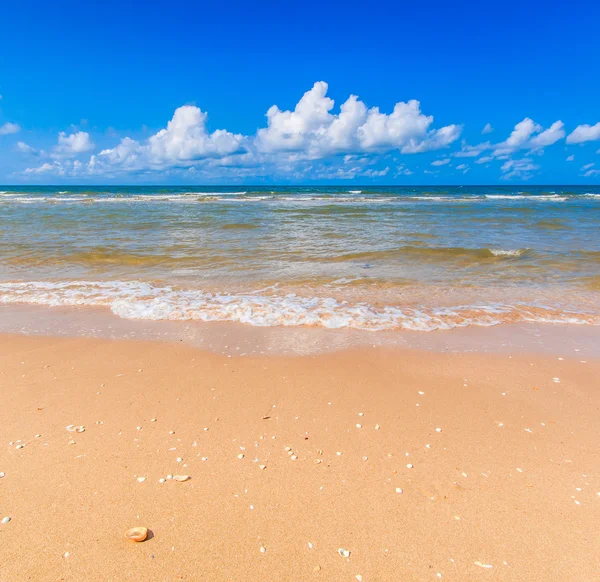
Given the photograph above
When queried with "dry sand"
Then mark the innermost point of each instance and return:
(508, 489)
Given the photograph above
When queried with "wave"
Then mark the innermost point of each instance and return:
(143, 301)
(429, 253)
(545, 197)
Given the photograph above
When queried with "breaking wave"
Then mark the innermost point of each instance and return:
(139, 300)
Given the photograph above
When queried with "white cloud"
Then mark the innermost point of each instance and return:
(461, 167)
(522, 168)
(548, 137)
(570, 158)
(72, 144)
(46, 168)
(529, 135)
(467, 151)
(583, 133)
(487, 128)
(484, 160)
(440, 162)
(9, 128)
(183, 142)
(312, 130)
(587, 167)
(26, 149)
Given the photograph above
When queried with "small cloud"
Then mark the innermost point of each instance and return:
(587, 167)
(522, 169)
(26, 149)
(583, 133)
(592, 173)
(570, 158)
(484, 160)
(9, 128)
(441, 162)
(73, 144)
(461, 166)
(487, 128)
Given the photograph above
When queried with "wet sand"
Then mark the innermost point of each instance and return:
(293, 459)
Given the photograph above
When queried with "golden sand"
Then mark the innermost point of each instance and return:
(368, 464)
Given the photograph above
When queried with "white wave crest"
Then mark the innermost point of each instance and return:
(139, 300)
(507, 253)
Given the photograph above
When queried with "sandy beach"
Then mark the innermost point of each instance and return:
(364, 464)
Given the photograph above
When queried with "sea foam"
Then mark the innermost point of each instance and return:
(140, 300)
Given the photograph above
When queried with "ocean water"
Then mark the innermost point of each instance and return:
(384, 258)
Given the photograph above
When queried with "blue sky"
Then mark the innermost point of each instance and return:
(178, 92)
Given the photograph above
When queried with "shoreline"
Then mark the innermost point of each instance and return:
(235, 339)
(510, 476)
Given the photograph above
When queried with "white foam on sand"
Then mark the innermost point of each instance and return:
(144, 301)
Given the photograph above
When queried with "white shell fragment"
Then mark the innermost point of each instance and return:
(141, 479)
(483, 565)
(344, 553)
(181, 478)
(75, 428)
(398, 490)
(5, 519)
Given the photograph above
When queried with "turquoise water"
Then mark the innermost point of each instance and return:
(362, 257)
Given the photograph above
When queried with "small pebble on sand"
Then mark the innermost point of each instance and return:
(5, 519)
(398, 490)
(344, 553)
(409, 466)
(141, 479)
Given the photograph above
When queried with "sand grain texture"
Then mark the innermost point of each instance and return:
(511, 481)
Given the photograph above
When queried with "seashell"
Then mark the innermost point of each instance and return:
(5, 519)
(2, 475)
(181, 478)
(344, 553)
(137, 534)
(141, 479)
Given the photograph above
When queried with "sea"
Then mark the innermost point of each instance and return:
(374, 259)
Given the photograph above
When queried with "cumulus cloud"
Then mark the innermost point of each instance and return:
(487, 128)
(9, 128)
(440, 162)
(583, 133)
(183, 142)
(312, 129)
(72, 144)
(529, 135)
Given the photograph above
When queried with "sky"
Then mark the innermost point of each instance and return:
(151, 92)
